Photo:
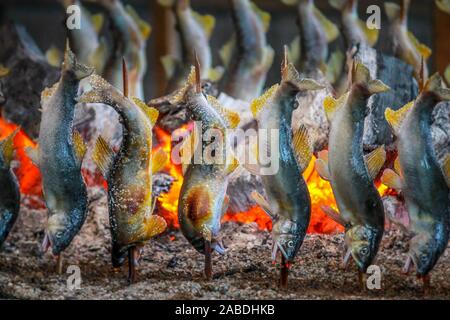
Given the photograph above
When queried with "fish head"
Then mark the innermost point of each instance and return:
(425, 250)
(363, 242)
(287, 239)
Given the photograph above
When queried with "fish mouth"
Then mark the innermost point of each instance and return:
(47, 242)
(409, 264)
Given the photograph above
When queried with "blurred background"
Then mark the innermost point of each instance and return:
(44, 20)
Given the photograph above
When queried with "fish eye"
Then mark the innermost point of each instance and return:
(423, 257)
(364, 251)
(290, 244)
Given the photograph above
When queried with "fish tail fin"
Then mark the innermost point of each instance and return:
(435, 84)
(7, 147)
(71, 64)
(340, 4)
(396, 117)
(361, 75)
(291, 76)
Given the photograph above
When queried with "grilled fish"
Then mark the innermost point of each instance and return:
(59, 156)
(130, 34)
(351, 173)
(9, 193)
(194, 33)
(420, 178)
(129, 173)
(355, 31)
(203, 200)
(406, 46)
(247, 57)
(289, 203)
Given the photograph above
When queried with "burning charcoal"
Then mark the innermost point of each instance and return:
(29, 75)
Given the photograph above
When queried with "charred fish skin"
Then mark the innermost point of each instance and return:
(350, 172)
(129, 173)
(59, 157)
(406, 46)
(288, 195)
(194, 33)
(423, 182)
(203, 199)
(248, 57)
(9, 193)
(130, 34)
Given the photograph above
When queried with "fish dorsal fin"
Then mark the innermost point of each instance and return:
(7, 147)
(159, 160)
(262, 202)
(263, 16)
(258, 104)
(103, 156)
(331, 30)
(97, 22)
(321, 165)
(207, 21)
(392, 10)
(395, 118)
(151, 113)
(335, 66)
(375, 160)
(231, 117)
(54, 56)
(446, 169)
(331, 105)
(422, 49)
(3, 71)
(391, 179)
(302, 147)
(79, 146)
(226, 52)
(178, 97)
(144, 27)
(370, 34)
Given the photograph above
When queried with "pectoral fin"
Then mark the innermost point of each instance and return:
(159, 160)
(7, 147)
(54, 56)
(371, 34)
(103, 156)
(302, 147)
(334, 215)
(262, 202)
(264, 16)
(258, 104)
(321, 166)
(144, 28)
(207, 21)
(155, 225)
(375, 160)
(395, 118)
(226, 52)
(79, 146)
(446, 169)
(391, 179)
(215, 74)
(335, 66)
(151, 113)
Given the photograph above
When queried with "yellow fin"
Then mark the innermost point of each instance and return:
(338, 4)
(166, 3)
(264, 16)
(169, 64)
(361, 74)
(375, 160)
(97, 21)
(232, 165)
(294, 51)
(215, 74)
(207, 21)
(54, 56)
(291, 75)
(102, 156)
(262, 202)
(377, 86)
(179, 96)
(226, 52)
(79, 146)
(3, 71)
(392, 10)
(334, 215)
(269, 54)
(371, 34)
(443, 5)
(7, 147)
(231, 117)
(395, 118)
(151, 113)
(423, 50)
(391, 179)
(258, 103)
(155, 225)
(321, 165)
(159, 160)
(446, 169)
(335, 66)
(144, 27)
(330, 28)
(98, 58)
(302, 147)
(397, 166)
(331, 105)
(290, 2)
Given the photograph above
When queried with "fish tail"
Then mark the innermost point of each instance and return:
(72, 65)
(342, 4)
(361, 75)
(435, 85)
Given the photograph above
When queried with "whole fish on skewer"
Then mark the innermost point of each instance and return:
(316, 31)
(203, 201)
(289, 203)
(355, 30)
(129, 173)
(59, 156)
(406, 45)
(130, 34)
(351, 173)
(247, 57)
(421, 179)
(194, 33)
(9, 192)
